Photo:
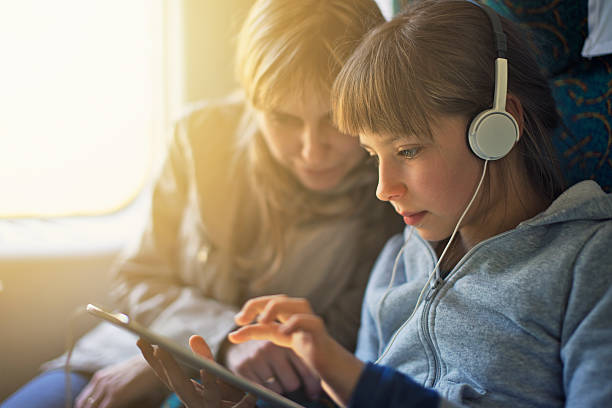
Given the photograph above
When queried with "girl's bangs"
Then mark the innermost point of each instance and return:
(377, 92)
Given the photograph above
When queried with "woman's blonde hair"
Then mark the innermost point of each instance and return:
(285, 45)
(284, 48)
(437, 57)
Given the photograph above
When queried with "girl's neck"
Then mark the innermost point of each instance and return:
(502, 215)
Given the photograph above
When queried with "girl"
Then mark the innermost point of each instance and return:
(259, 195)
(499, 291)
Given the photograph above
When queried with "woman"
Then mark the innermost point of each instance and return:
(259, 194)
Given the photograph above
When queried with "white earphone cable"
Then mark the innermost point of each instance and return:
(435, 271)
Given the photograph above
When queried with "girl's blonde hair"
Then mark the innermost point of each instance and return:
(437, 57)
(284, 47)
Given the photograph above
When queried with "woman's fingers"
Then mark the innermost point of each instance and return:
(229, 392)
(88, 397)
(310, 381)
(148, 353)
(247, 401)
(283, 371)
(178, 381)
(268, 379)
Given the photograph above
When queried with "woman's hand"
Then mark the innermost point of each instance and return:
(211, 393)
(290, 322)
(120, 385)
(274, 367)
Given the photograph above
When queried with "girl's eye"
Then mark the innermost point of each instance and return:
(409, 153)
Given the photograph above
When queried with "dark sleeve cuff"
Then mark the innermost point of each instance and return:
(381, 386)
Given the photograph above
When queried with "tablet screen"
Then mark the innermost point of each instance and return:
(185, 355)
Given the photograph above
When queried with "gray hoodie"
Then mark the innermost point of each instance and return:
(524, 319)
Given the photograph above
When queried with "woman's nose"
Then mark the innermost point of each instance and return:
(314, 146)
(390, 186)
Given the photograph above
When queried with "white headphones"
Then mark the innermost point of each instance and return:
(493, 132)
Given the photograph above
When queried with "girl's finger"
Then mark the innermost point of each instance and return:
(304, 322)
(282, 309)
(260, 332)
(253, 307)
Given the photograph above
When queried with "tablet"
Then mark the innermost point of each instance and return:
(186, 356)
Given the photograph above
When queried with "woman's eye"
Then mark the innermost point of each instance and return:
(329, 123)
(374, 159)
(409, 153)
(285, 120)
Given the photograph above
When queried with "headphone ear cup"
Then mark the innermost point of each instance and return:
(492, 134)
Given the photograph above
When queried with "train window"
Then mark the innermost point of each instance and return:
(81, 104)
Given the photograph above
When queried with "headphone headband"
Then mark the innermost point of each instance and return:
(498, 31)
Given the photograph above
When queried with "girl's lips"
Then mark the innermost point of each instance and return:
(413, 218)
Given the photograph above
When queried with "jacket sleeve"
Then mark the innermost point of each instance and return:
(586, 344)
(148, 285)
(384, 387)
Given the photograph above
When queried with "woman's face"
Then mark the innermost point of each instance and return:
(302, 137)
(429, 183)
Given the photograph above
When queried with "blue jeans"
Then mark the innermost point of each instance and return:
(48, 390)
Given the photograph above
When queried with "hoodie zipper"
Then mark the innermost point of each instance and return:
(425, 328)
(431, 293)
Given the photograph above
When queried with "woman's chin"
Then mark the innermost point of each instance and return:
(319, 184)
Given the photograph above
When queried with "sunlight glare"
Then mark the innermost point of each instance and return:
(76, 106)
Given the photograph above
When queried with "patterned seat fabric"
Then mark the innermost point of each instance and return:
(582, 87)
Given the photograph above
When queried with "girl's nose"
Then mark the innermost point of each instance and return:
(390, 186)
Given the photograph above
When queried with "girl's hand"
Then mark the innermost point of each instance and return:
(286, 322)
(211, 393)
(290, 322)
(274, 367)
(120, 385)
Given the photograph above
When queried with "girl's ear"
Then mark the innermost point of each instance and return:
(515, 108)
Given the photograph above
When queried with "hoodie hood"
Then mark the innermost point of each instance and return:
(583, 201)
